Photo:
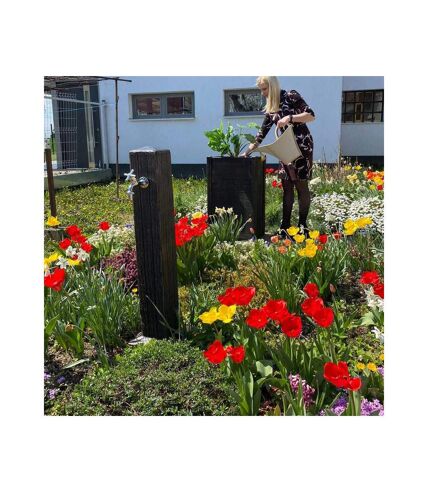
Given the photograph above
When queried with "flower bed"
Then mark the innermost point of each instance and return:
(293, 326)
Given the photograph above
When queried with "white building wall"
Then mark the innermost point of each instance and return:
(362, 139)
(185, 137)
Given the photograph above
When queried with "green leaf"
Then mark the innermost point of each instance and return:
(264, 369)
(76, 363)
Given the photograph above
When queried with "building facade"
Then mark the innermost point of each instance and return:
(174, 112)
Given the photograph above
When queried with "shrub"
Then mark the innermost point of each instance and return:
(125, 263)
(158, 378)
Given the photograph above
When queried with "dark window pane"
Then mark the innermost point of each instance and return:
(377, 116)
(377, 106)
(359, 96)
(179, 105)
(358, 112)
(368, 117)
(348, 118)
(147, 105)
(350, 96)
(350, 108)
(244, 102)
(368, 96)
(378, 96)
(343, 107)
(368, 107)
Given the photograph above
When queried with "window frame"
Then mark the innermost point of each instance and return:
(360, 104)
(227, 92)
(163, 96)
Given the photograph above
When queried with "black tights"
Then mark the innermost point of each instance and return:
(304, 198)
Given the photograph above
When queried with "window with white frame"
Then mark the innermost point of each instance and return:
(243, 102)
(362, 106)
(163, 105)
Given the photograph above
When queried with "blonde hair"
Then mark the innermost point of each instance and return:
(272, 101)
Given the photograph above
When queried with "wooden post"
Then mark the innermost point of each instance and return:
(51, 187)
(155, 242)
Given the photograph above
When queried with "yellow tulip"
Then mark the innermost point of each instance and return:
(381, 357)
(314, 234)
(197, 215)
(309, 241)
(349, 231)
(52, 222)
(299, 238)
(311, 250)
(73, 262)
(225, 313)
(293, 230)
(302, 252)
(361, 366)
(363, 222)
(210, 316)
(51, 259)
(378, 180)
(371, 367)
(372, 187)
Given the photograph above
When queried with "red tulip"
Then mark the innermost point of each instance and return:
(237, 354)
(73, 230)
(79, 238)
(369, 278)
(292, 326)
(324, 317)
(64, 244)
(338, 374)
(378, 289)
(275, 310)
(104, 226)
(312, 305)
(215, 352)
(86, 247)
(311, 290)
(257, 319)
(56, 279)
(322, 238)
(337, 235)
(240, 296)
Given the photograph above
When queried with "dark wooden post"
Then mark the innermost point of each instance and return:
(155, 241)
(51, 187)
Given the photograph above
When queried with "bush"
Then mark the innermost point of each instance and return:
(158, 378)
(126, 264)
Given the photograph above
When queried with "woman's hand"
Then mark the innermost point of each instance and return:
(251, 147)
(283, 122)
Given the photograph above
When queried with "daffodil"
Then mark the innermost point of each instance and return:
(73, 262)
(299, 238)
(210, 316)
(52, 222)
(363, 222)
(347, 168)
(51, 259)
(293, 230)
(381, 357)
(197, 215)
(225, 313)
(357, 168)
(372, 367)
(314, 234)
(360, 366)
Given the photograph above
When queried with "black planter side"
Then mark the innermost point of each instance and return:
(238, 182)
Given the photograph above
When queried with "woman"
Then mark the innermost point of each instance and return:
(284, 108)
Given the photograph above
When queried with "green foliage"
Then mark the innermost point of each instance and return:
(92, 307)
(229, 142)
(159, 378)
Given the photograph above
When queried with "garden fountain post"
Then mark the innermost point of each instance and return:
(155, 241)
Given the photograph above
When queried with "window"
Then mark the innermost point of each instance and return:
(362, 106)
(171, 105)
(242, 102)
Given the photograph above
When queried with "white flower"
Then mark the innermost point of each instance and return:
(315, 181)
(62, 262)
(70, 251)
(377, 333)
(82, 255)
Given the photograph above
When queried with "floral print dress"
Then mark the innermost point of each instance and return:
(292, 103)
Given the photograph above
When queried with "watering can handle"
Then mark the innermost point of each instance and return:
(277, 129)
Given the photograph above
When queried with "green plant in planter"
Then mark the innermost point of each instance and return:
(229, 142)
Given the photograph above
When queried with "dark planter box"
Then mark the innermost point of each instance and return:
(238, 182)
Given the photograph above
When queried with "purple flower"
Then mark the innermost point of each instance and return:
(46, 376)
(380, 370)
(307, 390)
(61, 380)
(340, 404)
(52, 393)
(368, 407)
